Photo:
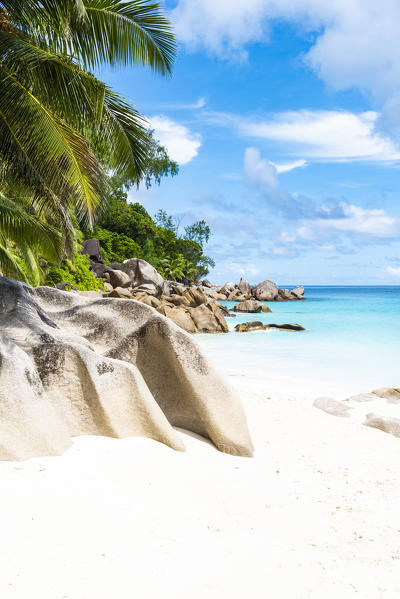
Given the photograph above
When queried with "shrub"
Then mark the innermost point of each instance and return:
(76, 272)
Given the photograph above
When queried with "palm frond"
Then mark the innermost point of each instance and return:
(126, 132)
(126, 33)
(76, 96)
(51, 148)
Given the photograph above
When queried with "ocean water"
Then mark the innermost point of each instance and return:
(351, 343)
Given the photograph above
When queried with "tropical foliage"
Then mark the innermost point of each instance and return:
(60, 126)
(126, 230)
(75, 272)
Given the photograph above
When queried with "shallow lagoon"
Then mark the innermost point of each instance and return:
(352, 342)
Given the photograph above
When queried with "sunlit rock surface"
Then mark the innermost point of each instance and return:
(73, 365)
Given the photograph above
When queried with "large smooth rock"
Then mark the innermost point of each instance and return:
(142, 274)
(73, 366)
(252, 306)
(267, 290)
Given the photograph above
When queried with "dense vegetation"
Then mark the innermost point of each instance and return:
(126, 230)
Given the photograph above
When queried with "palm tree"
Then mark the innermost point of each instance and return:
(177, 268)
(58, 121)
(173, 267)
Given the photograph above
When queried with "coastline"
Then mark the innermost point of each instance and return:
(313, 514)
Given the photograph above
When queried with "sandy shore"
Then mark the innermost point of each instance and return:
(314, 514)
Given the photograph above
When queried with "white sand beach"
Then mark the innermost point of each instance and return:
(313, 514)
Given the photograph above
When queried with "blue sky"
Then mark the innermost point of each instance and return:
(284, 119)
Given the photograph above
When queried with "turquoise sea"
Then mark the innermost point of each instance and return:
(351, 345)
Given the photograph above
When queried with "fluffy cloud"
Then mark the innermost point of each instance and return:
(356, 42)
(356, 224)
(318, 135)
(181, 143)
(375, 223)
(316, 223)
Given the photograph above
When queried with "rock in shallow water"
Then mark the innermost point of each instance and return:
(286, 327)
(252, 306)
(71, 365)
(247, 327)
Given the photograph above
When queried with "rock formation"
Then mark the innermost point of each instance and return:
(193, 307)
(385, 402)
(72, 365)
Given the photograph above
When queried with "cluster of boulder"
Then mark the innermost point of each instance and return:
(187, 306)
(195, 306)
(264, 291)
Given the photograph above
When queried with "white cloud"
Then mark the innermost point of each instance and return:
(318, 135)
(393, 270)
(316, 221)
(289, 166)
(219, 25)
(182, 144)
(357, 42)
(375, 223)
